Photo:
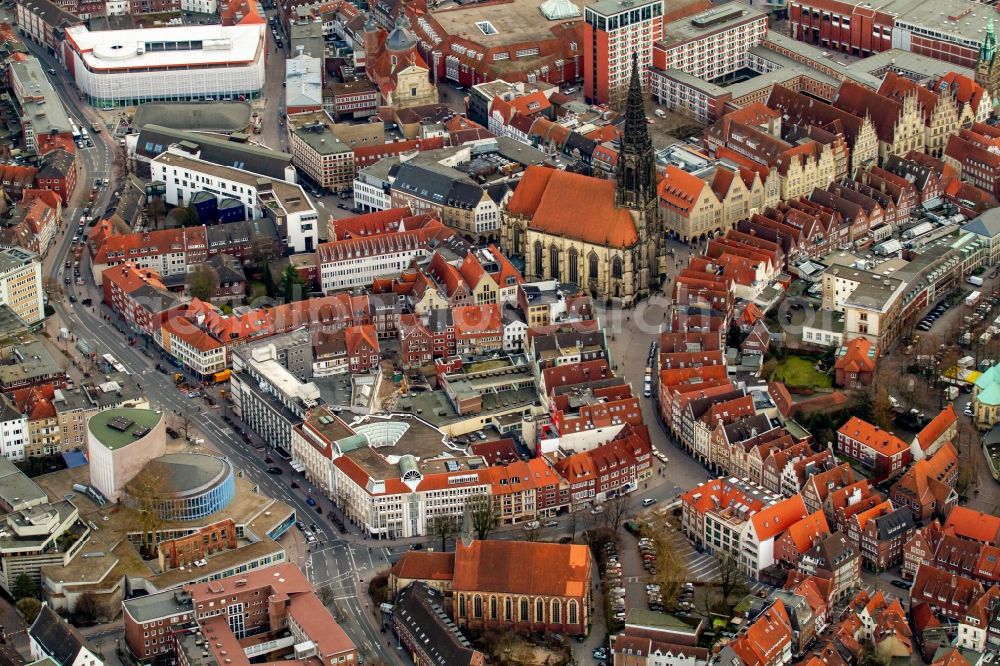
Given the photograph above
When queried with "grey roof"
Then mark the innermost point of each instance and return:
(987, 224)
(439, 185)
(912, 171)
(15, 257)
(310, 37)
(303, 81)
(748, 427)
(130, 203)
(17, 491)
(420, 609)
(157, 606)
(898, 523)
(57, 164)
(56, 637)
(47, 114)
(400, 39)
(233, 233)
(215, 148)
(194, 116)
(227, 268)
(51, 13)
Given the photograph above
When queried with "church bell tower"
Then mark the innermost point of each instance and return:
(636, 185)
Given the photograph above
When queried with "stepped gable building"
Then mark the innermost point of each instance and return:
(609, 242)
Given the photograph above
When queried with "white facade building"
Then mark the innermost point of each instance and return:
(372, 188)
(286, 203)
(184, 62)
(13, 433)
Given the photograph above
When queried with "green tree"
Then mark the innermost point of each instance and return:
(29, 608)
(293, 286)
(24, 587)
(482, 513)
(203, 282)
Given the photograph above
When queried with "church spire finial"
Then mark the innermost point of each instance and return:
(636, 130)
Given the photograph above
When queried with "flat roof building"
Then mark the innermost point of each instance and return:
(121, 442)
(189, 62)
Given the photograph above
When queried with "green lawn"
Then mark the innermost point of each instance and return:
(798, 372)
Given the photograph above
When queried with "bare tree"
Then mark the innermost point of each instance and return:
(52, 288)
(482, 513)
(532, 530)
(616, 511)
(156, 211)
(731, 577)
(88, 609)
(672, 570)
(444, 527)
(182, 423)
(572, 526)
(325, 594)
(146, 489)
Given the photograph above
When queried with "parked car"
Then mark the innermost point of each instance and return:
(275, 470)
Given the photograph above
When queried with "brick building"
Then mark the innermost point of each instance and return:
(532, 586)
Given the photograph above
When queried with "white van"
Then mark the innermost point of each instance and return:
(660, 113)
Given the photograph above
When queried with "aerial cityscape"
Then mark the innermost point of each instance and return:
(499, 332)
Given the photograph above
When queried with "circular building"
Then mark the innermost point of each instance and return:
(119, 444)
(183, 486)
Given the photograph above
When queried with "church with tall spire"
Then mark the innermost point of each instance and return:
(602, 236)
(635, 182)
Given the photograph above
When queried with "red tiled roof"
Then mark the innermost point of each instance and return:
(416, 565)
(938, 426)
(594, 218)
(36, 401)
(765, 638)
(975, 525)
(965, 90)
(179, 327)
(899, 88)
(856, 357)
(882, 441)
(477, 319)
(804, 533)
(523, 567)
(355, 336)
(771, 521)
(679, 189)
(860, 101)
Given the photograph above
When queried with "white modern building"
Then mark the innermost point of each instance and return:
(267, 396)
(184, 62)
(21, 284)
(285, 203)
(372, 186)
(13, 432)
(119, 443)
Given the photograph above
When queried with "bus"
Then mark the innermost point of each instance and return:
(77, 136)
